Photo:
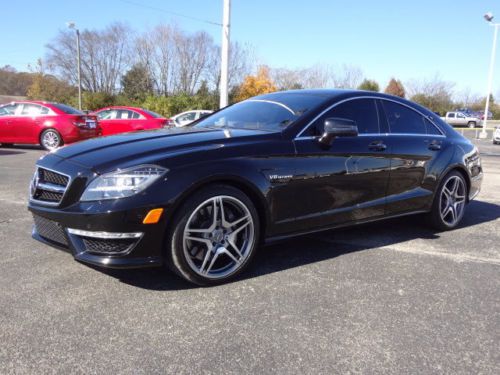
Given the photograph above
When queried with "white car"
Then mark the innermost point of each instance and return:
(496, 136)
(186, 118)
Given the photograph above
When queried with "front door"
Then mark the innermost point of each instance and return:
(346, 182)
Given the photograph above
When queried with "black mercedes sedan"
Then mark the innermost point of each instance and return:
(200, 200)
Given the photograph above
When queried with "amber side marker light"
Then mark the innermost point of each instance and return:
(153, 216)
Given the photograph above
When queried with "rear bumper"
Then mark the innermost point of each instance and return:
(80, 134)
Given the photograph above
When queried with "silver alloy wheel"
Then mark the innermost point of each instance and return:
(218, 237)
(452, 200)
(50, 140)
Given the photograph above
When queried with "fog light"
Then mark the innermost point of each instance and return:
(153, 216)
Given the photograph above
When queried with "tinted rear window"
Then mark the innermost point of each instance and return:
(152, 114)
(67, 109)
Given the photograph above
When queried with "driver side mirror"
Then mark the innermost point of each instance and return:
(337, 127)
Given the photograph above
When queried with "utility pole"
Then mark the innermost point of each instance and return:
(79, 69)
(489, 18)
(224, 64)
(72, 25)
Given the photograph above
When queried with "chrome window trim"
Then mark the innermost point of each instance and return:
(379, 135)
(298, 136)
(273, 102)
(45, 203)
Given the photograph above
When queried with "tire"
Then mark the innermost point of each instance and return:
(216, 250)
(471, 124)
(50, 139)
(449, 202)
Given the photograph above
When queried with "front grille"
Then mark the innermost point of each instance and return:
(53, 177)
(48, 196)
(107, 246)
(48, 186)
(50, 230)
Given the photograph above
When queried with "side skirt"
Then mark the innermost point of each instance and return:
(271, 240)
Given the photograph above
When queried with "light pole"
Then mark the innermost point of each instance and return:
(489, 18)
(224, 64)
(72, 25)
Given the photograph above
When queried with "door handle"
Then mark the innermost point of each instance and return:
(377, 146)
(435, 146)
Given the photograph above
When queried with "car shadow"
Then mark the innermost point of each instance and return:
(313, 248)
(22, 147)
(11, 152)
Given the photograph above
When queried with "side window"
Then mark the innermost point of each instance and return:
(44, 111)
(135, 115)
(431, 128)
(104, 115)
(124, 114)
(188, 117)
(403, 120)
(451, 115)
(8, 109)
(362, 111)
(31, 110)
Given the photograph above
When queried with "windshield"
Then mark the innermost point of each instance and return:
(67, 109)
(252, 114)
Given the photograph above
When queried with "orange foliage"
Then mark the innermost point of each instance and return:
(256, 85)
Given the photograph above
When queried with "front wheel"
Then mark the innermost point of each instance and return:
(214, 236)
(449, 202)
(50, 139)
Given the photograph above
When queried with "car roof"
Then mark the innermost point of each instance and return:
(39, 102)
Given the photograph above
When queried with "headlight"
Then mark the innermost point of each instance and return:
(123, 183)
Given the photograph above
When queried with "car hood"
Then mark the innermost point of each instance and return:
(107, 153)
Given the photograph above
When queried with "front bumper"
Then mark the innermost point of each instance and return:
(92, 237)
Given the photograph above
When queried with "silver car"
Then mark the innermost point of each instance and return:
(496, 136)
(186, 118)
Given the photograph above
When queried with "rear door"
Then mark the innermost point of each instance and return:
(415, 144)
(28, 122)
(114, 121)
(346, 182)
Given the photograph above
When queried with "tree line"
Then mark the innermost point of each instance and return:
(168, 70)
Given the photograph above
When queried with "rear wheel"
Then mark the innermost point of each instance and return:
(50, 139)
(471, 124)
(214, 236)
(449, 203)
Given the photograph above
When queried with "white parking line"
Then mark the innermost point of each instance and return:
(459, 258)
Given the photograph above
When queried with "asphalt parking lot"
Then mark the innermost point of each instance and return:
(392, 297)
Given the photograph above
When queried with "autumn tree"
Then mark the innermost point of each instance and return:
(13, 82)
(396, 88)
(105, 55)
(47, 87)
(433, 93)
(136, 83)
(256, 85)
(369, 85)
(347, 77)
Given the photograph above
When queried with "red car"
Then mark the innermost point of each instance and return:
(119, 119)
(48, 124)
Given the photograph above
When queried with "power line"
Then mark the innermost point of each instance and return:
(171, 12)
